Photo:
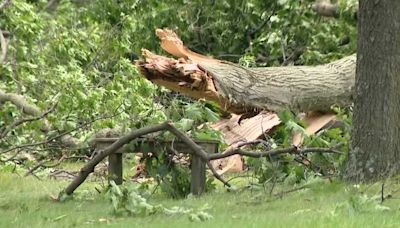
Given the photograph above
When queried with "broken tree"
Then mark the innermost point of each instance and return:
(248, 90)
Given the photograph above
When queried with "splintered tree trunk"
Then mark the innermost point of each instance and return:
(375, 149)
(240, 90)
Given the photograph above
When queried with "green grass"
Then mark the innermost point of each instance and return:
(26, 202)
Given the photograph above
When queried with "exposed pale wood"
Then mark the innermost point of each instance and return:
(240, 90)
(248, 130)
(172, 44)
(314, 121)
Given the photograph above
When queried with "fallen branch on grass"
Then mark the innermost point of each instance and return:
(197, 150)
(64, 137)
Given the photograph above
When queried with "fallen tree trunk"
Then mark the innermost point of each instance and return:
(296, 88)
(241, 90)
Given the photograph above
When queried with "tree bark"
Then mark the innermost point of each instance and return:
(240, 90)
(296, 88)
(326, 9)
(375, 147)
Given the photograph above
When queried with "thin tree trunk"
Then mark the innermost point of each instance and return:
(375, 149)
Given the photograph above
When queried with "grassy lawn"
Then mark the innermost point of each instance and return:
(26, 202)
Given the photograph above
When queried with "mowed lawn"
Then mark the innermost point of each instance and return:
(26, 202)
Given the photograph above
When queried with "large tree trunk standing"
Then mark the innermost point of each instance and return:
(375, 148)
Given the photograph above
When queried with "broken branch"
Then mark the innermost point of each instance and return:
(326, 9)
(240, 90)
(4, 4)
(197, 150)
(21, 121)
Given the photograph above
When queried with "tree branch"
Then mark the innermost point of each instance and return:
(326, 9)
(4, 4)
(4, 45)
(43, 164)
(55, 137)
(21, 121)
(20, 101)
(197, 150)
(89, 167)
(241, 90)
(32, 110)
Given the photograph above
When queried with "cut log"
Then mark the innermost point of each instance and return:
(241, 90)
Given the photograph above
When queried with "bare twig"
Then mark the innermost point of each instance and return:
(55, 137)
(274, 152)
(217, 175)
(320, 150)
(281, 194)
(21, 121)
(251, 33)
(43, 163)
(254, 142)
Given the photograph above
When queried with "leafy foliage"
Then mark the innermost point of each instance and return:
(361, 203)
(83, 52)
(128, 199)
(172, 173)
(293, 169)
(79, 54)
